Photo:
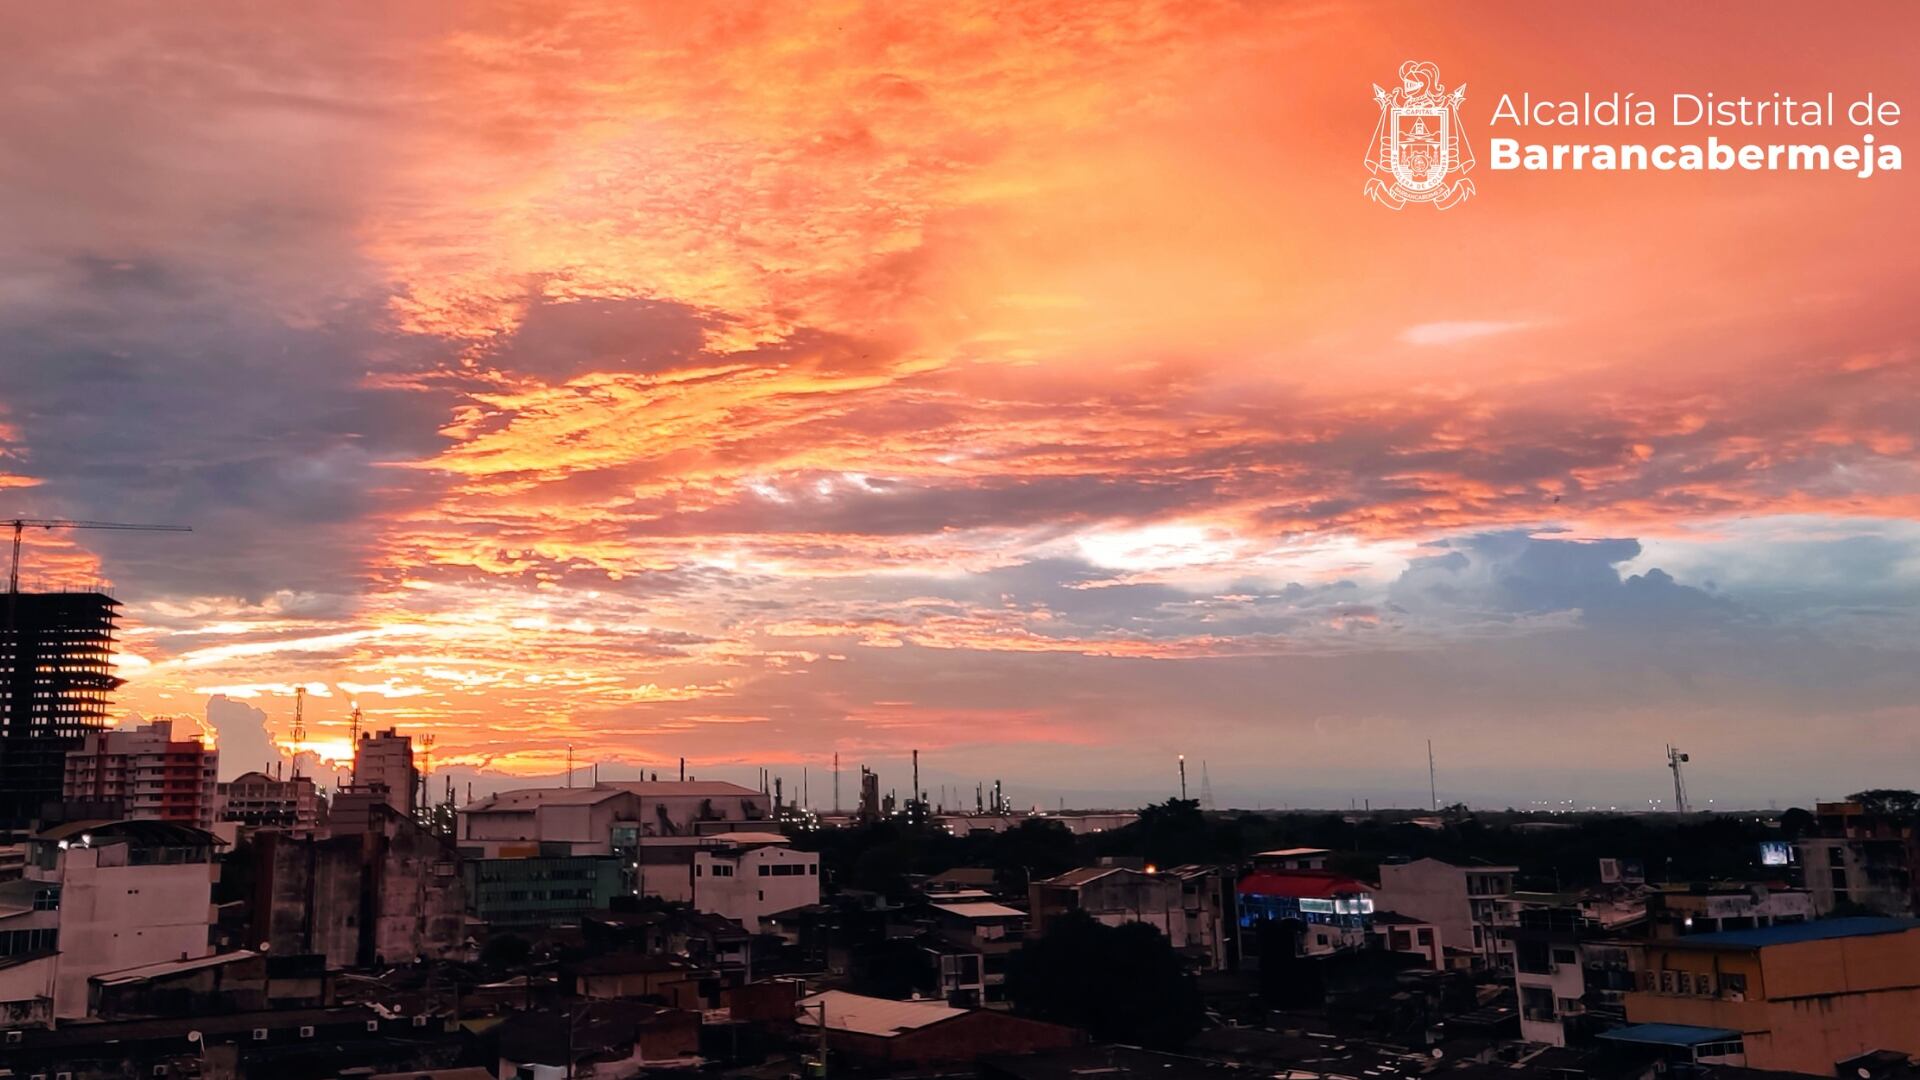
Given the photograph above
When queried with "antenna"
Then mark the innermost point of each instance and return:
(353, 743)
(1433, 791)
(1675, 759)
(1183, 778)
(426, 765)
(836, 783)
(1206, 788)
(569, 764)
(299, 726)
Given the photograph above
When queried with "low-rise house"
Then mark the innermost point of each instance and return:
(598, 1040)
(881, 1033)
(710, 942)
(226, 982)
(974, 939)
(1399, 933)
(669, 979)
(1114, 895)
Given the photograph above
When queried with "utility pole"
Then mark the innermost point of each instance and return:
(820, 1064)
(836, 783)
(1183, 778)
(569, 764)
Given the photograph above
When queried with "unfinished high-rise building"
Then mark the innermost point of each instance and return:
(56, 679)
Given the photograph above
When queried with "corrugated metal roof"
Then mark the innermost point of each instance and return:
(666, 788)
(1668, 1034)
(880, 1017)
(1299, 883)
(1083, 874)
(533, 798)
(751, 838)
(170, 967)
(982, 910)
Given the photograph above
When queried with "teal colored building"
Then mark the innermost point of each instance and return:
(545, 890)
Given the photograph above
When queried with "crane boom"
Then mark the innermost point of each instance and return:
(21, 525)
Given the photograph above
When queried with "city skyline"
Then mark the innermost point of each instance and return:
(1033, 388)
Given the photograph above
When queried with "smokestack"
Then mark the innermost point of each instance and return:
(683, 770)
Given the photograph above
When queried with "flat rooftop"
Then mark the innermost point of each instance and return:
(1669, 1034)
(1794, 933)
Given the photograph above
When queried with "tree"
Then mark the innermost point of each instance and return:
(1036, 848)
(1892, 802)
(1120, 983)
(506, 951)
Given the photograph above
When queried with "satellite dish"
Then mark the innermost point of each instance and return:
(193, 1036)
(1864, 1073)
(1438, 1053)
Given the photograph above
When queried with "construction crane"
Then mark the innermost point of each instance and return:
(21, 525)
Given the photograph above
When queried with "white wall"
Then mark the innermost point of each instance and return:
(745, 887)
(114, 917)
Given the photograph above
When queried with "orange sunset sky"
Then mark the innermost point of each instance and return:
(1026, 383)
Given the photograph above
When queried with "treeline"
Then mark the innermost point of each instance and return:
(1555, 852)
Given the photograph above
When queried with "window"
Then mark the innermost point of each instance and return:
(1565, 956)
(1732, 983)
(813, 869)
(1425, 935)
(765, 870)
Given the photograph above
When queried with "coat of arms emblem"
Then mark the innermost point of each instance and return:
(1419, 153)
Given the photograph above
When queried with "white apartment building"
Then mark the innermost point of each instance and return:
(152, 775)
(655, 825)
(101, 897)
(749, 876)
